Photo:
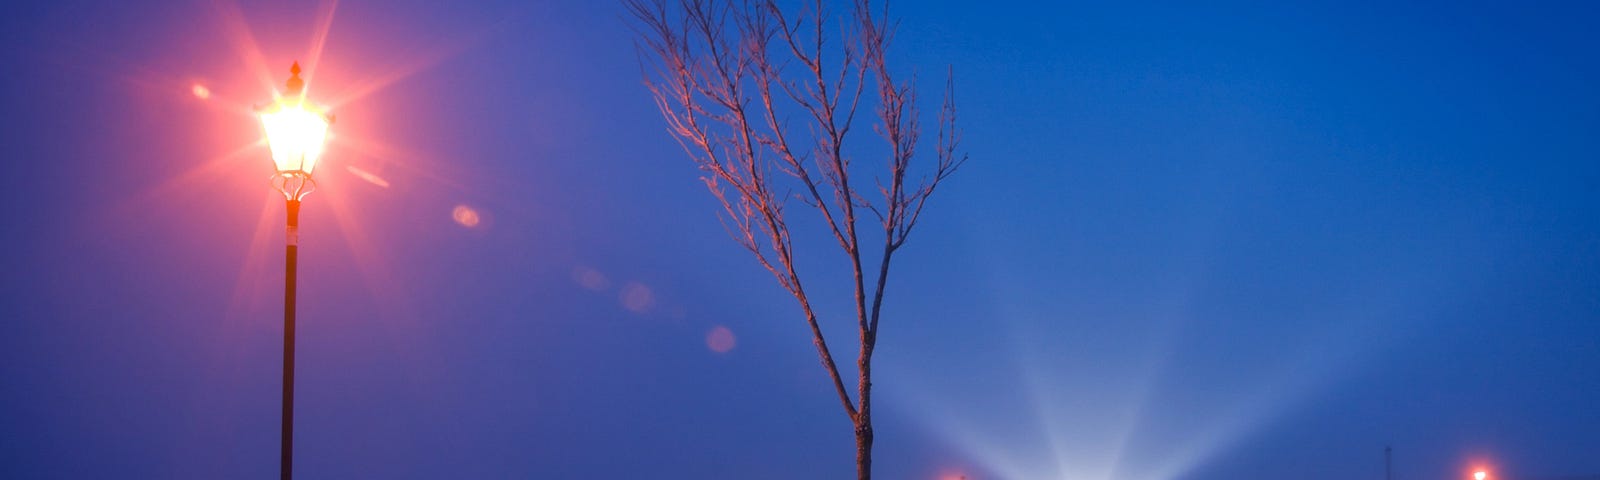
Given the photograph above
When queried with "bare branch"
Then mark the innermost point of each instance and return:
(726, 76)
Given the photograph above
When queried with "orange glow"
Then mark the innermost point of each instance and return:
(952, 475)
(296, 135)
(720, 339)
(200, 91)
(1479, 468)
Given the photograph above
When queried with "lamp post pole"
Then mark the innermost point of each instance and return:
(291, 256)
(295, 133)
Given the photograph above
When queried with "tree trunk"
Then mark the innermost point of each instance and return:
(864, 448)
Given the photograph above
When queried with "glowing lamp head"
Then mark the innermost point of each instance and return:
(295, 135)
(1480, 475)
(295, 132)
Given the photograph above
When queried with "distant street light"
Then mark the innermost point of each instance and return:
(1480, 475)
(296, 134)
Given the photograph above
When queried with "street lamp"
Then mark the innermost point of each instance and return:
(296, 134)
(1480, 475)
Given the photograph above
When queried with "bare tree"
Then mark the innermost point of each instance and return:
(732, 76)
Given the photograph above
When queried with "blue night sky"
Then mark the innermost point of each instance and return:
(1217, 240)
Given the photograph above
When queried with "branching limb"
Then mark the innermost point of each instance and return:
(728, 74)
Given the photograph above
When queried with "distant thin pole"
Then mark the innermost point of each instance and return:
(1388, 463)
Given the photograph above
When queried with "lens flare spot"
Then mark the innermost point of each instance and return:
(465, 216)
(720, 339)
(370, 177)
(200, 91)
(590, 279)
(637, 298)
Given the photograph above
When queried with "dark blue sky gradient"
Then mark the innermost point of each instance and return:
(1198, 241)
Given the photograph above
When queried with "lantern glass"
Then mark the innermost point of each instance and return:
(296, 136)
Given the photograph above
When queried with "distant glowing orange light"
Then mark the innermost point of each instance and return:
(1480, 475)
(952, 475)
(200, 91)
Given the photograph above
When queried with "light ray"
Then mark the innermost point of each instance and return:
(379, 278)
(409, 331)
(239, 35)
(401, 158)
(247, 294)
(159, 83)
(1097, 427)
(221, 167)
(416, 64)
(319, 41)
(369, 177)
(963, 433)
(242, 317)
(368, 258)
(211, 97)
